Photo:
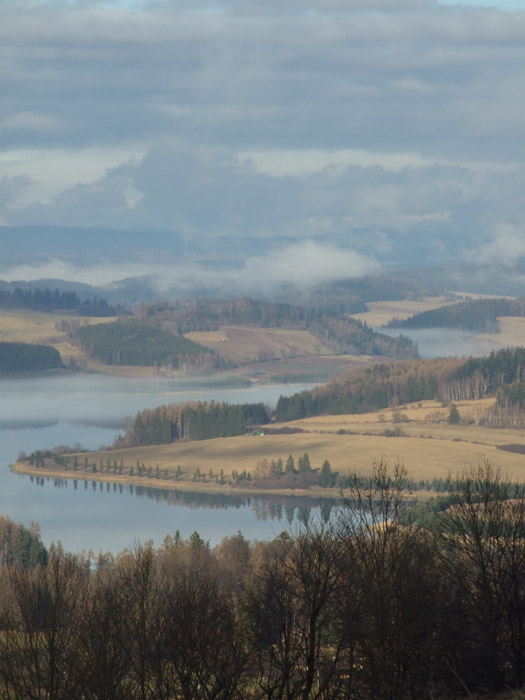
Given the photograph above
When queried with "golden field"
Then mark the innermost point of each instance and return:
(381, 312)
(350, 443)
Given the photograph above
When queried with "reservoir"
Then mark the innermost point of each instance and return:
(48, 411)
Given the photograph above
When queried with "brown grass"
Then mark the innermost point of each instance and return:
(245, 344)
(511, 332)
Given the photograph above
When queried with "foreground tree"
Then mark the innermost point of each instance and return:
(40, 634)
(483, 554)
(395, 624)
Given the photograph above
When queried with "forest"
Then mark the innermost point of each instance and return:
(372, 605)
(191, 421)
(479, 315)
(136, 343)
(27, 357)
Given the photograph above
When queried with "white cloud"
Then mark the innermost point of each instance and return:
(304, 265)
(507, 245)
(55, 170)
(307, 264)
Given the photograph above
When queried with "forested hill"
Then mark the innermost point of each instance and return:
(47, 300)
(138, 343)
(341, 334)
(25, 357)
(390, 385)
(477, 315)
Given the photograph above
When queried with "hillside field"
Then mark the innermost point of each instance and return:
(295, 351)
(26, 326)
(381, 312)
(350, 443)
(244, 344)
(511, 328)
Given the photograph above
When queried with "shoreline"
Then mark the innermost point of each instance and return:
(169, 485)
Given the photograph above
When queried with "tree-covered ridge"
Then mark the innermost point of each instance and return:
(27, 357)
(389, 385)
(369, 389)
(191, 421)
(47, 300)
(476, 315)
(138, 343)
(341, 333)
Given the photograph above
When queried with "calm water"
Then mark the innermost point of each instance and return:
(45, 412)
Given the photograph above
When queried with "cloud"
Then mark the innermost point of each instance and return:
(301, 265)
(506, 245)
(353, 123)
(308, 264)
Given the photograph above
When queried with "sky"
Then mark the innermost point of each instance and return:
(350, 132)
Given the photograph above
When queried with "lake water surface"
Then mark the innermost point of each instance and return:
(44, 412)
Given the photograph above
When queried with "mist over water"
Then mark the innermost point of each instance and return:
(38, 411)
(44, 412)
(446, 342)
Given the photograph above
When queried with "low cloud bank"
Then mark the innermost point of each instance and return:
(302, 265)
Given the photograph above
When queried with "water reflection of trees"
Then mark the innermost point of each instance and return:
(288, 509)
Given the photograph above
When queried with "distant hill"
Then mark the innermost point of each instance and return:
(477, 315)
(340, 333)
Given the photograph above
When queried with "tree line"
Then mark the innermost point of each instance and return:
(371, 605)
(47, 300)
(28, 357)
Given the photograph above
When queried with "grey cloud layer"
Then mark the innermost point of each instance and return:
(427, 79)
(196, 88)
